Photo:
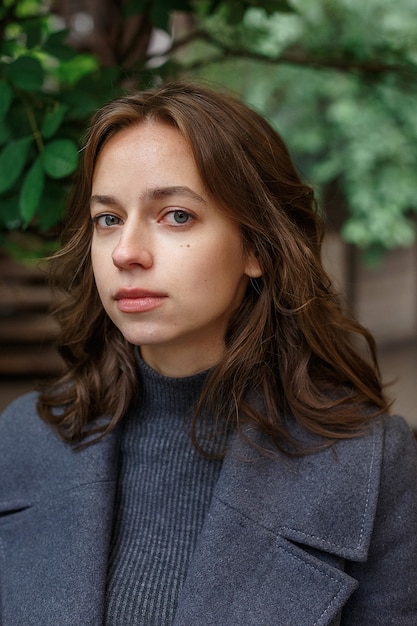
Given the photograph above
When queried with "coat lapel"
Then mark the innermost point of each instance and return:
(271, 550)
(55, 537)
(277, 534)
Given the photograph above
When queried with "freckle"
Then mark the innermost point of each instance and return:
(188, 245)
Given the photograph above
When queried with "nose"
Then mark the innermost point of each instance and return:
(133, 249)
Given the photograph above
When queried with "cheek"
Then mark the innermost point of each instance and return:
(95, 264)
(100, 265)
(228, 259)
(216, 268)
(101, 253)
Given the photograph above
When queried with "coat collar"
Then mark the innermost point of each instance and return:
(325, 500)
(277, 533)
(277, 528)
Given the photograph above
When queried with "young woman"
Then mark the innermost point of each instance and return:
(217, 451)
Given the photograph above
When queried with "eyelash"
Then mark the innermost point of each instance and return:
(117, 220)
(95, 220)
(180, 212)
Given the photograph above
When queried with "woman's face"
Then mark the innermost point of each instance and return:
(169, 266)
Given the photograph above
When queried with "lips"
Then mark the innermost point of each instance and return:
(138, 300)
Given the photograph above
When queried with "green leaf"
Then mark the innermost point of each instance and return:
(6, 97)
(81, 105)
(52, 121)
(19, 117)
(31, 191)
(212, 6)
(34, 32)
(12, 160)
(25, 73)
(60, 158)
(235, 12)
(24, 8)
(159, 16)
(52, 209)
(158, 8)
(176, 5)
(55, 46)
(104, 83)
(161, 10)
(5, 132)
(281, 6)
(133, 7)
(70, 72)
(9, 217)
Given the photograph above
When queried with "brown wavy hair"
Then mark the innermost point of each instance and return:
(289, 341)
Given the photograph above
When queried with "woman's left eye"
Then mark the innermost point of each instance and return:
(106, 220)
(178, 217)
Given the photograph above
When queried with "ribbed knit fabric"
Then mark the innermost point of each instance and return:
(164, 491)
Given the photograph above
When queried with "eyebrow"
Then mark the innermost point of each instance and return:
(155, 193)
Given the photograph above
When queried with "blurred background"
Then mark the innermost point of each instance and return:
(337, 78)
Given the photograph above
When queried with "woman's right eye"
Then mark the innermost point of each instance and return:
(106, 220)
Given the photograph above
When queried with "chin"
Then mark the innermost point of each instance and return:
(141, 339)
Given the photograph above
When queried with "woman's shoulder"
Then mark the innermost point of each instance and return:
(386, 450)
(24, 435)
(393, 430)
(22, 409)
(396, 431)
(394, 443)
(34, 460)
(398, 460)
(386, 437)
(330, 498)
(21, 419)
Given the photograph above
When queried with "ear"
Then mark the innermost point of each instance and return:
(252, 268)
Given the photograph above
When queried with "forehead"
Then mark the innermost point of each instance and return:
(147, 156)
(143, 130)
(148, 139)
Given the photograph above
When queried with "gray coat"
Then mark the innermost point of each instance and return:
(326, 539)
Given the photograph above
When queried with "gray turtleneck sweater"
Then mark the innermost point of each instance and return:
(164, 491)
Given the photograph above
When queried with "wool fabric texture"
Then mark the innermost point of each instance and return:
(164, 490)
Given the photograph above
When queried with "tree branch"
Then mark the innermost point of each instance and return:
(299, 58)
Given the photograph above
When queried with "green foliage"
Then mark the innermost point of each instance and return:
(31, 192)
(48, 92)
(160, 11)
(25, 73)
(40, 77)
(59, 158)
(234, 11)
(12, 160)
(336, 77)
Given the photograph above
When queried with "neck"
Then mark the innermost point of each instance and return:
(177, 364)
